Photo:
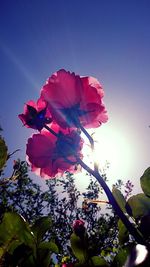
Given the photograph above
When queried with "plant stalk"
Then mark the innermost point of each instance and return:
(132, 230)
(91, 143)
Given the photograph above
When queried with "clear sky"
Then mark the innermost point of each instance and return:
(107, 39)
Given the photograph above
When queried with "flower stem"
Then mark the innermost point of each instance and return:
(91, 142)
(133, 231)
(50, 130)
(88, 136)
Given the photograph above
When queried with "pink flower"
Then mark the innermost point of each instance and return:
(50, 155)
(74, 100)
(35, 115)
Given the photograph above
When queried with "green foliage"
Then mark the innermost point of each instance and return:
(119, 198)
(79, 247)
(13, 227)
(19, 244)
(145, 182)
(49, 245)
(3, 153)
(121, 256)
(123, 235)
(25, 197)
(98, 262)
(19, 193)
(15, 236)
(40, 227)
(140, 205)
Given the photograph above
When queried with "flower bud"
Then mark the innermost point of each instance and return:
(79, 228)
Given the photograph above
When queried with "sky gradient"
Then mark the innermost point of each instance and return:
(109, 40)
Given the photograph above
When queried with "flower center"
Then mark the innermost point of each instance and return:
(66, 146)
(37, 118)
(72, 114)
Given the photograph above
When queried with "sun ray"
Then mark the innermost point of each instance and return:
(14, 59)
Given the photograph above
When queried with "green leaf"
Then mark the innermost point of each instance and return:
(13, 245)
(121, 257)
(41, 226)
(79, 247)
(140, 205)
(13, 227)
(65, 259)
(123, 233)
(145, 182)
(98, 262)
(2, 251)
(44, 252)
(119, 198)
(51, 246)
(3, 153)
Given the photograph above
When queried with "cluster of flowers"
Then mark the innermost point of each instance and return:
(67, 103)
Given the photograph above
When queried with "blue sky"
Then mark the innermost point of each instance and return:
(107, 39)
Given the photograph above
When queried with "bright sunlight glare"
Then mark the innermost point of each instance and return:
(113, 149)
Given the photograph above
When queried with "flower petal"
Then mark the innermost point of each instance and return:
(39, 150)
(62, 88)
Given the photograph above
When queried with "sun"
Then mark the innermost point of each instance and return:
(112, 148)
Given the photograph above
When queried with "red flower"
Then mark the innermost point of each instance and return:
(79, 228)
(35, 115)
(49, 155)
(73, 99)
(78, 223)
